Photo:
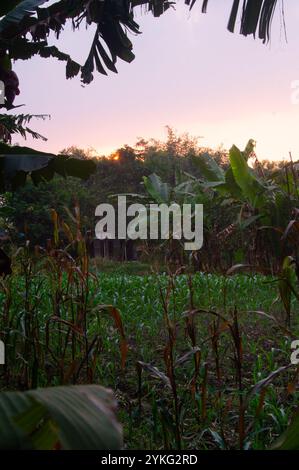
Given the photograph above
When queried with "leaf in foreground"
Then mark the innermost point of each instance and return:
(78, 417)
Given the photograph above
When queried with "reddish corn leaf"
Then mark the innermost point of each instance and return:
(115, 314)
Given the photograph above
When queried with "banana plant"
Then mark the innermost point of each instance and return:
(111, 18)
(17, 163)
(263, 198)
(158, 194)
(238, 181)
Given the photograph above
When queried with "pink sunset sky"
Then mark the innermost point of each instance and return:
(189, 73)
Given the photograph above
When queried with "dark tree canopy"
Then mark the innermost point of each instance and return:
(25, 27)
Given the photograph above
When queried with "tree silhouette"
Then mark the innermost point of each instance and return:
(26, 25)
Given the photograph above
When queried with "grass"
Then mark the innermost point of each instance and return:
(197, 395)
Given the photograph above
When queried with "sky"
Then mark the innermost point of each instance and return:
(189, 73)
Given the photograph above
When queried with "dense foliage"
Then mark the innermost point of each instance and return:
(197, 360)
(246, 208)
